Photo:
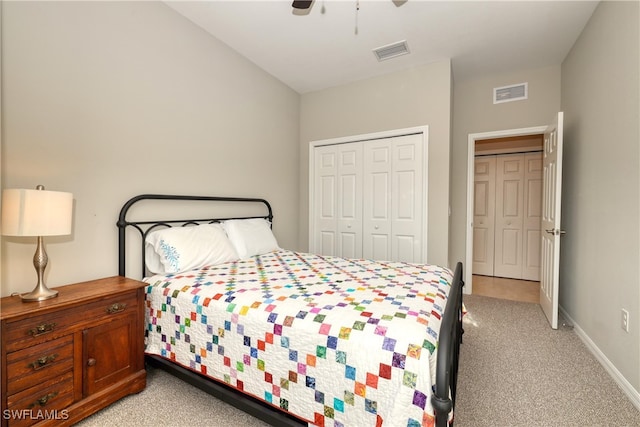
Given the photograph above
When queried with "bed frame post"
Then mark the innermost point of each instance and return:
(450, 338)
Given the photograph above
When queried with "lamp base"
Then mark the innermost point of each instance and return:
(40, 293)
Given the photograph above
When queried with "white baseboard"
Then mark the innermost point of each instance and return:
(627, 388)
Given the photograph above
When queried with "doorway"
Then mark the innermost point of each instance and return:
(486, 139)
(508, 207)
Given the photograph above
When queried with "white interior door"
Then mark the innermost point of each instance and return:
(484, 214)
(509, 216)
(551, 231)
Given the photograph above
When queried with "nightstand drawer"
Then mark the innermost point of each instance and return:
(43, 328)
(37, 364)
(40, 400)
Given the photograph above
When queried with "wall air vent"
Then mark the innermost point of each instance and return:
(510, 93)
(391, 50)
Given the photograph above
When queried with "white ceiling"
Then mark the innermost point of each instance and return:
(319, 49)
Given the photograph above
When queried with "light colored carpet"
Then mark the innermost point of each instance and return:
(170, 402)
(517, 371)
(514, 371)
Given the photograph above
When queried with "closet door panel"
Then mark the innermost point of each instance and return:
(407, 198)
(325, 201)
(350, 245)
(327, 220)
(379, 197)
(378, 247)
(509, 216)
(376, 203)
(532, 216)
(350, 200)
(484, 215)
(326, 244)
(510, 240)
(405, 247)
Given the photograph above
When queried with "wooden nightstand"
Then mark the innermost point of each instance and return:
(67, 357)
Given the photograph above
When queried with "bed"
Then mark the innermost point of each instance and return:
(289, 337)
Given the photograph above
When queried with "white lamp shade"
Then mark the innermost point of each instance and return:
(36, 212)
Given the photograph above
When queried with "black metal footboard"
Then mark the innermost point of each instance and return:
(450, 338)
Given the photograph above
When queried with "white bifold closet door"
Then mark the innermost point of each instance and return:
(484, 215)
(368, 199)
(511, 227)
(532, 226)
(509, 216)
(338, 199)
(392, 204)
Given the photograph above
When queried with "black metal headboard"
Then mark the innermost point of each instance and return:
(146, 226)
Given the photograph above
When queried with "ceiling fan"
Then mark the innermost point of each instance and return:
(302, 4)
(306, 4)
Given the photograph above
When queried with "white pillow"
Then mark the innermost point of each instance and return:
(250, 236)
(178, 249)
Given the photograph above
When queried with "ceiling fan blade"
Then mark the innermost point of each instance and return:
(302, 4)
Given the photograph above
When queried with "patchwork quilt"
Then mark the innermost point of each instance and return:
(336, 342)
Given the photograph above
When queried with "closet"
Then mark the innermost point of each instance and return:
(507, 215)
(368, 199)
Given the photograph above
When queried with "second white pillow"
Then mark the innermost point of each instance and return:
(251, 236)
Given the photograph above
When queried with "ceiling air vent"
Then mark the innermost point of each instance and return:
(391, 50)
(510, 93)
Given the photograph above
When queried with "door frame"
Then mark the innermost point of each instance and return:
(471, 154)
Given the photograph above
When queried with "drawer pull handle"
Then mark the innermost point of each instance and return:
(42, 329)
(116, 308)
(91, 361)
(43, 361)
(44, 399)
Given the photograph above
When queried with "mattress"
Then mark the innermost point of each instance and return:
(333, 341)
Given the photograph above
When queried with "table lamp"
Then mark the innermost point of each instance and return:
(37, 213)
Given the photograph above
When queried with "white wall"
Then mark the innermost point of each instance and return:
(474, 112)
(415, 97)
(112, 99)
(600, 255)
